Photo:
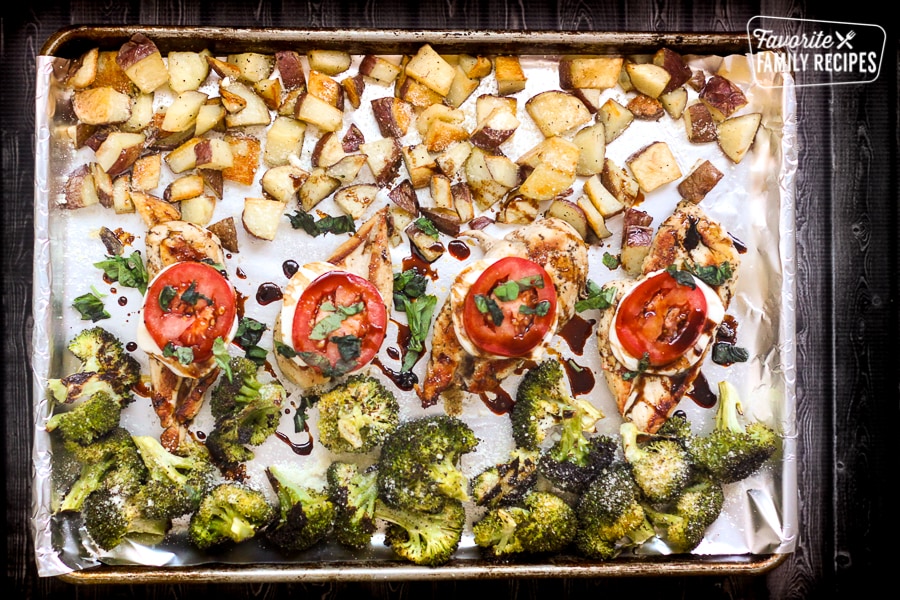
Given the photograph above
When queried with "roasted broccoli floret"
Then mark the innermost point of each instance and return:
(507, 482)
(695, 509)
(175, 484)
(418, 464)
(105, 366)
(111, 462)
(661, 466)
(357, 415)
(247, 413)
(731, 451)
(610, 515)
(575, 459)
(233, 393)
(428, 539)
(353, 492)
(306, 513)
(542, 523)
(229, 513)
(543, 402)
(110, 518)
(89, 420)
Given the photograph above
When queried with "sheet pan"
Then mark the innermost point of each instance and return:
(759, 526)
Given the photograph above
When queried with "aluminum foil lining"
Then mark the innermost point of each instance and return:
(754, 201)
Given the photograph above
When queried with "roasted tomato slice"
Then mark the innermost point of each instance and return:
(339, 323)
(660, 318)
(510, 307)
(189, 305)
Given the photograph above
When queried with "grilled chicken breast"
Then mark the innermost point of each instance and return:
(177, 399)
(688, 239)
(550, 242)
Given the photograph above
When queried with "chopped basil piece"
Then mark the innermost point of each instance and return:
(714, 275)
(303, 405)
(166, 295)
(418, 316)
(90, 306)
(333, 321)
(540, 309)
(249, 333)
(725, 354)
(285, 350)
(487, 305)
(643, 365)
(409, 283)
(681, 277)
(328, 224)
(217, 266)
(191, 295)
(183, 354)
(427, 227)
(129, 270)
(610, 261)
(507, 291)
(349, 346)
(597, 297)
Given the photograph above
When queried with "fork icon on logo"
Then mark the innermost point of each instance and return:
(845, 40)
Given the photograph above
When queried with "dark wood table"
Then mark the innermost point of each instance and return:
(847, 325)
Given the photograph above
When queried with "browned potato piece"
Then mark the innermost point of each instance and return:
(591, 142)
(722, 97)
(249, 107)
(675, 101)
(420, 165)
(328, 150)
(554, 163)
(227, 233)
(187, 70)
(182, 113)
(431, 70)
(393, 115)
(736, 135)
(615, 118)
(605, 203)
(429, 247)
(637, 236)
(404, 196)
(119, 151)
(653, 166)
(356, 199)
(674, 65)
(595, 72)
(645, 108)
(245, 152)
(509, 74)
(347, 169)
(620, 183)
(518, 210)
(81, 189)
(462, 87)
(462, 201)
(648, 78)
(318, 186)
(556, 112)
(261, 217)
(325, 88)
(213, 153)
(198, 210)
(699, 124)
(143, 64)
(699, 182)
(101, 106)
(253, 66)
(380, 69)
(283, 140)
(330, 62)
(495, 129)
(270, 91)
(383, 157)
(83, 71)
(146, 171)
(317, 112)
(445, 219)
(489, 177)
(571, 213)
(290, 68)
(594, 218)
(452, 159)
(417, 94)
(154, 210)
(182, 188)
(283, 182)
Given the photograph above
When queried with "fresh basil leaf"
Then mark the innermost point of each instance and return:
(540, 309)
(257, 354)
(610, 261)
(351, 309)
(215, 265)
(305, 403)
(681, 277)
(90, 306)
(531, 281)
(418, 314)
(597, 297)
(410, 283)
(305, 221)
(725, 354)
(223, 359)
(129, 270)
(192, 296)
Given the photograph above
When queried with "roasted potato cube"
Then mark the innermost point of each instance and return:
(121, 199)
(329, 149)
(452, 159)
(554, 164)
(518, 210)
(227, 233)
(143, 64)
(404, 196)
(261, 217)
(462, 87)
(645, 108)
(101, 106)
(290, 67)
(317, 112)
(556, 112)
(736, 135)
(81, 189)
(594, 218)
(356, 199)
(595, 72)
(184, 187)
(509, 75)
(605, 203)
(489, 177)
(419, 164)
(495, 129)
(428, 68)
(187, 70)
(675, 101)
(119, 151)
(154, 210)
(620, 183)
(318, 186)
(283, 140)
(615, 118)
(699, 182)
(325, 88)
(653, 166)
(722, 97)
(393, 115)
(383, 157)
(591, 142)
(571, 213)
(254, 110)
(674, 65)
(182, 113)
(146, 171)
(429, 247)
(379, 68)
(462, 201)
(648, 78)
(283, 182)
(83, 71)
(330, 62)
(347, 169)
(198, 210)
(254, 66)
(699, 124)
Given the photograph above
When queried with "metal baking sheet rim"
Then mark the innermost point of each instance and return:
(66, 39)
